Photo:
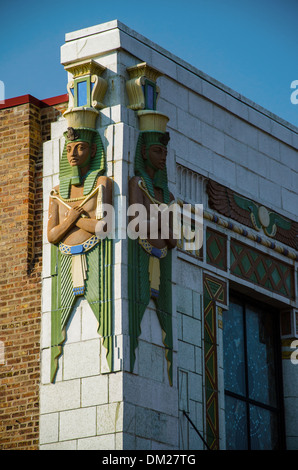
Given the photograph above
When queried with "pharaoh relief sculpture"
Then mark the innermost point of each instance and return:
(150, 258)
(81, 250)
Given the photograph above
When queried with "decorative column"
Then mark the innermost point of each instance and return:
(142, 90)
(151, 313)
(215, 298)
(78, 315)
(86, 88)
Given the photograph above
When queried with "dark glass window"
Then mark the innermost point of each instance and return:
(252, 375)
(149, 89)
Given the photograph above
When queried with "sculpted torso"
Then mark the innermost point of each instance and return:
(138, 196)
(70, 221)
(75, 225)
(155, 160)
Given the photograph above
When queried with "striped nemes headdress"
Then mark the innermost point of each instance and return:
(147, 139)
(69, 175)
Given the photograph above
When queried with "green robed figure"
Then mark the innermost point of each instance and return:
(150, 261)
(81, 251)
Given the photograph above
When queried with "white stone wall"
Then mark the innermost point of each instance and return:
(83, 408)
(214, 130)
(215, 133)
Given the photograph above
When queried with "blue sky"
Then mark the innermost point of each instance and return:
(248, 45)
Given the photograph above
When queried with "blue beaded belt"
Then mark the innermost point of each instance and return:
(152, 250)
(78, 262)
(78, 249)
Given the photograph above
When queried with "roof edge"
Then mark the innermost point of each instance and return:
(25, 99)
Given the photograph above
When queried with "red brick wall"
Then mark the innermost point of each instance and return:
(23, 128)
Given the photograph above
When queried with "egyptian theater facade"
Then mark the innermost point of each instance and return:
(113, 339)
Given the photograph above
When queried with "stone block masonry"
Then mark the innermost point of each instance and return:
(216, 135)
(24, 125)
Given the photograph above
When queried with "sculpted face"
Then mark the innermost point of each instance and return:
(158, 156)
(78, 153)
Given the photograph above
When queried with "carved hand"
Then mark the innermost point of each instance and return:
(73, 215)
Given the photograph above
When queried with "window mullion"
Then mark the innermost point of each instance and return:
(246, 375)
